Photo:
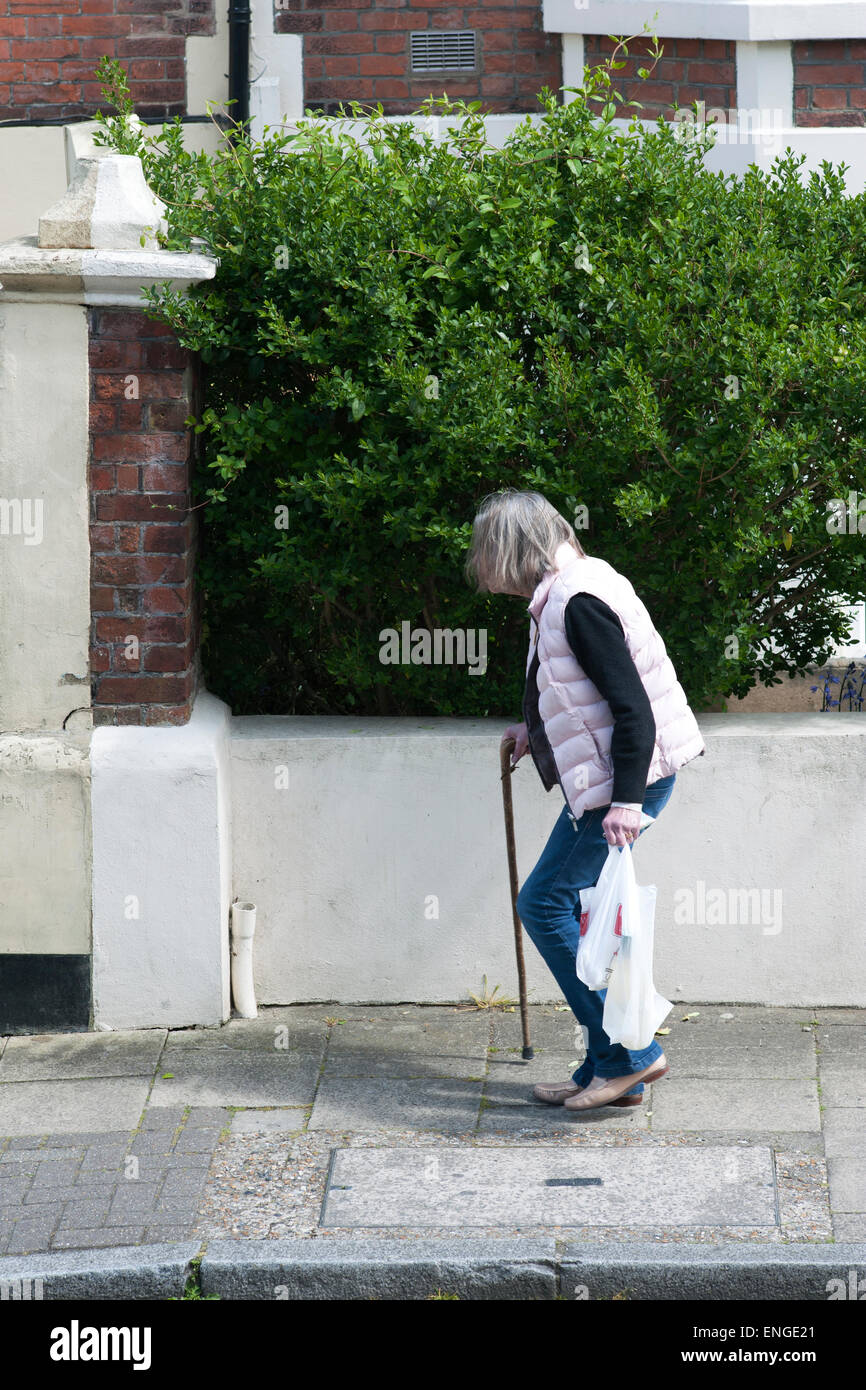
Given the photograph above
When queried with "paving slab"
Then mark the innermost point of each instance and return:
(12, 1190)
(544, 1186)
(417, 1029)
(207, 1076)
(288, 1121)
(86, 1213)
(841, 1044)
(167, 1117)
(32, 1233)
(766, 1062)
(511, 1079)
(98, 1236)
(848, 1183)
(61, 1056)
(704, 1032)
(536, 1118)
(299, 1028)
(65, 1107)
(843, 1088)
(696, 1018)
(550, 1029)
(365, 1104)
(844, 1131)
(367, 1063)
(429, 1043)
(734, 1106)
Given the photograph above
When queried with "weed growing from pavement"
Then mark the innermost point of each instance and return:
(192, 1290)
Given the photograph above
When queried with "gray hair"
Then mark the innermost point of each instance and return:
(515, 537)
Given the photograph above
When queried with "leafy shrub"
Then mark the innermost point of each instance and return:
(400, 326)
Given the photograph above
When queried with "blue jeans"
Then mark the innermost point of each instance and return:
(549, 908)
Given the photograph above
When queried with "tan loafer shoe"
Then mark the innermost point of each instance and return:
(555, 1092)
(560, 1092)
(604, 1090)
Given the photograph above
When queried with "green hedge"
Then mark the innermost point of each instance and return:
(587, 312)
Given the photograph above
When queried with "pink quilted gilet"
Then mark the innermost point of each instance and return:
(577, 721)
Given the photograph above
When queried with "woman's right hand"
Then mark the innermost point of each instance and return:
(521, 741)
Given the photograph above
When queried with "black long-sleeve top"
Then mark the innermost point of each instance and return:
(596, 637)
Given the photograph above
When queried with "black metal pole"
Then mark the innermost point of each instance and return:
(240, 18)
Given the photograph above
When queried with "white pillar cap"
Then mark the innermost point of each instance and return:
(107, 207)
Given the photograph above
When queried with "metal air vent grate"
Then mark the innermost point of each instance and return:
(434, 51)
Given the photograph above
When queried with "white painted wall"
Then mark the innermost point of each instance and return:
(276, 66)
(380, 814)
(45, 825)
(742, 142)
(207, 65)
(32, 167)
(32, 176)
(44, 576)
(45, 835)
(44, 627)
(33, 171)
(765, 79)
(572, 63)
(275, 58)
(161, 872)
(710, 19)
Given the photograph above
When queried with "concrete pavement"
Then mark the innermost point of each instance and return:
(321, 1143)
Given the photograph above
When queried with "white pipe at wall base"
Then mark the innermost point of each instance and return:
(243, 928)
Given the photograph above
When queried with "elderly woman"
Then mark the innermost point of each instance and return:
(606, 720)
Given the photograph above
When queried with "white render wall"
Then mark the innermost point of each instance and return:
(33, 173)
(161, 872)
(347, 831)
(44, 546)
(752, 20)
(45, 838)
(151, 815)
(276, 68)
(44, 629)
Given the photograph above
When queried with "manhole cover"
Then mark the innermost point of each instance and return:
(713, 1186)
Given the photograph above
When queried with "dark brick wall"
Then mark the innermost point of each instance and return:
(830, 82)
(142, 534)
(360, 52)
(49, 50)
(689, 70)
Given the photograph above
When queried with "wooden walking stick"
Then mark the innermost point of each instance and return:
(505, 751)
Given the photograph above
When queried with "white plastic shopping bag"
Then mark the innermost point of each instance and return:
(601, 910)
(633, 1008)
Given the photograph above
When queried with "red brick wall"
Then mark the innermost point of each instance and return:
(49, 50)
(360, 52)
(830, 82)
(142, 535)
(689, 70)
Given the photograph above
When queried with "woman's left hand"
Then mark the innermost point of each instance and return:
(621, 826)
